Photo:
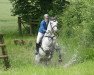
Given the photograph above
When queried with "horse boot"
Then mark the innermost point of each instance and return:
(37, 48)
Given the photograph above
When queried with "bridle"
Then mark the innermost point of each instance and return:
(52, 28)
(51, 32)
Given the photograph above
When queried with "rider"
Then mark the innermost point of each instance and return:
(41, 32)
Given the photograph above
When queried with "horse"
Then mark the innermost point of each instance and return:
(49, 44)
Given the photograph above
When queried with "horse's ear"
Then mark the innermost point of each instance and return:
(54, 17)
(51, 18)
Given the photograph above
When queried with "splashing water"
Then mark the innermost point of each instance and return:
(72, 60)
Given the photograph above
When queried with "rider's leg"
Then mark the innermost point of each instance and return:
(39, 38)
(37, 48)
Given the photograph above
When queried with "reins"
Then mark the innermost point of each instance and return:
(52, 37)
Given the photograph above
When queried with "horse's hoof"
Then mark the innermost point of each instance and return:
(60, 60)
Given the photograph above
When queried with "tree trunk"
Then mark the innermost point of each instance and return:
(19, 26)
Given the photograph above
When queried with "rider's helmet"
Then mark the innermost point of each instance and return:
(46, 16)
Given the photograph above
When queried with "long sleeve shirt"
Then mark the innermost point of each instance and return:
(43, 27)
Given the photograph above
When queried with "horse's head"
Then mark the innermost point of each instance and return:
(53, 24)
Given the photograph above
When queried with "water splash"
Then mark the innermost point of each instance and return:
(72, 60)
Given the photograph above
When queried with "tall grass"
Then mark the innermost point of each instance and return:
(82, 69)
(77, 29)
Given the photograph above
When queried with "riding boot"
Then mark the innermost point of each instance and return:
(37, 48)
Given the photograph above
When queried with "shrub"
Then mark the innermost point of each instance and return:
(78, 28)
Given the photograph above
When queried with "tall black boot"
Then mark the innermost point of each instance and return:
(37, 48)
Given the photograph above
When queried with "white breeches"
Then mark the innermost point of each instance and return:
(39, 37)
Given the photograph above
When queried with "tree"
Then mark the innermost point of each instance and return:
(35, 8)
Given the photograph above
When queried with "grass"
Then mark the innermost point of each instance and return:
(7, 22)
(22, 57)
(85, 68)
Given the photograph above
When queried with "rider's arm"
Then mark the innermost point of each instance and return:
(43, 26)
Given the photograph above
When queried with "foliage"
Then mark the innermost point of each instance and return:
(77, 28)
(22, 57)
(35, 8)
(85, 68)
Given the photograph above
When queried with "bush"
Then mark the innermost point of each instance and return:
(78, 28)
(29, 9)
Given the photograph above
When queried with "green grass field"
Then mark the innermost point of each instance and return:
(22, 57)
(80, 69)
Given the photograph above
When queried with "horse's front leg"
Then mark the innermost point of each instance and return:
(60, 56)
(58, 49)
